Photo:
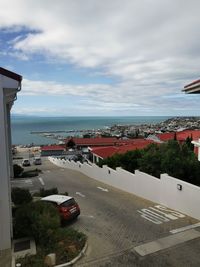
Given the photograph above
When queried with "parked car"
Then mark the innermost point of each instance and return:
(26, 162)
(37, 161)
(67, 206)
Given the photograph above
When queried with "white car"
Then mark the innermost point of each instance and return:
(37, 161)
(26, 162)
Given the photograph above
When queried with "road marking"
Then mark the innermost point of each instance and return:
(102, 189)
(48, 171)
(149, 218)
(41, 180)
(159, 214)
(22, 183)
(88, 216)
(166, 242)
(28, 181)
(80, 194)
(175, 213)
(62, 169)
(191, 226)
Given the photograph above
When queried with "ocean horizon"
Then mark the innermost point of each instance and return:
(22, 126)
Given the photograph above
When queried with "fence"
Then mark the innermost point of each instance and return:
(168, 191)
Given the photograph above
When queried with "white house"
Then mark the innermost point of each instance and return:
(10, 84)
(194, 88)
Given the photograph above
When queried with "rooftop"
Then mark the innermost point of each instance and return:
(105, 152)
(10, 74)
(53, 147)
(193, 87)
(59, 199)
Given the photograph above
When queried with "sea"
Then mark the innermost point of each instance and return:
(24, 128)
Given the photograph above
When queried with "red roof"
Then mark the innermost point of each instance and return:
(192, 83)
(166, 136)
(105, 152)
(180, 136)
(194, 134)
(98, 141)
(54, 147)
(106, 141)
(10, 74)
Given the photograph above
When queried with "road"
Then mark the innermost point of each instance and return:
(117, 222)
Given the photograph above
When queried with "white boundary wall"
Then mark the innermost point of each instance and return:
(163, 191)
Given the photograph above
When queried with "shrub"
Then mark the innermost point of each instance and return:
(17, 169)
(38, 219)
(30, 173)
(48, 192)
(20, 196)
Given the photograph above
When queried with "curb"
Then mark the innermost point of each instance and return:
(70, 263)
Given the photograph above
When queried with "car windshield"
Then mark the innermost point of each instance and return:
(68, 203)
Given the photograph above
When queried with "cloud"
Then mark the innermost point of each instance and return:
(150, 47)
(97, 99)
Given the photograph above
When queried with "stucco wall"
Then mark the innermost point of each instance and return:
(5, 216)
(163, 191)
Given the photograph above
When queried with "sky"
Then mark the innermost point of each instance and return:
(102, 58)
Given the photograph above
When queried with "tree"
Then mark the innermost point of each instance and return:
(71, 143)
(150, 161)
(17, 169)
(188, 142)
(20, 196)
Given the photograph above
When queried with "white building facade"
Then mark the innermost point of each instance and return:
(194, 88)
(10, 84)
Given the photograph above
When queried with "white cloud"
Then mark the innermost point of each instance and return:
(150, 46)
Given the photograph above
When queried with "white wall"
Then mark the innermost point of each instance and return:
(5, 216)
(163, 191)
(186, 200)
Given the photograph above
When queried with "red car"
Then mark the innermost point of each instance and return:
(67, 206)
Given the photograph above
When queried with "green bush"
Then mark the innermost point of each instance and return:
(38, 219)
(30, 173)
(17, 169)
(20, 196)
(48, 192)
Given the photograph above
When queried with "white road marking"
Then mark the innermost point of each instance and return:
(166, 242)
(172, 217)
(102, 189)
(154, 214)
(149, 218)
(62, 169)
(159, 214)
(41, 180)
(175, 213)
(22, 183)
(48, 171)
(88, 216)
(80, 194)
(33, 191)
(28, 181)
(191, 226)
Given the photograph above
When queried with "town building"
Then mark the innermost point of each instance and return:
(10, 85)
(52, 150)
(99, 153)
(81, 143)
(194, 88)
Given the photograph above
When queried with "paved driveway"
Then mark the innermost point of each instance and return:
(116, 222)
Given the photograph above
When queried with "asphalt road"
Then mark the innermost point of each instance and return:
(116, 222)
